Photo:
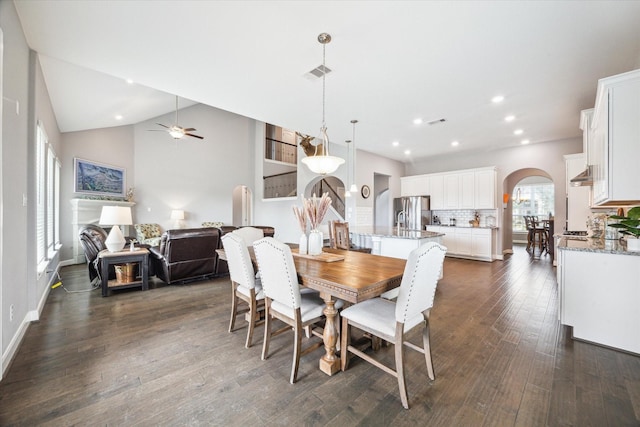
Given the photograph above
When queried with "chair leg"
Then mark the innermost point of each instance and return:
(345, 341)
(252, 316)
(234, 307)
(267, 328)
(402, 386)
(427, 351)
(297, 345)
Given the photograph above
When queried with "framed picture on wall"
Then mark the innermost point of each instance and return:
(98, 179)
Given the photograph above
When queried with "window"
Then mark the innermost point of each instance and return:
(532, 196)
(47, 199)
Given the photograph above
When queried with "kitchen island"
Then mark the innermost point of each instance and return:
(392, 241)
(599, 291)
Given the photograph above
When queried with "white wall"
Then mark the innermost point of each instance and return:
(547, 156)
(110, 146)
(25, 100)
(195, 175)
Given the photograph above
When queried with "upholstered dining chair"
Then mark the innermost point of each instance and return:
(249, 234)
(245, 286)
(283, 300)
(392, 320)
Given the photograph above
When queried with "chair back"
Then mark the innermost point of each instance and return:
(528, 221)
(92, 238)
(249, 234)
(239, 261)
(277, 271)
(419, 280)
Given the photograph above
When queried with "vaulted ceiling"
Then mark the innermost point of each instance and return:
(391, 61)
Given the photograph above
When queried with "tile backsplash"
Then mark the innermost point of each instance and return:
(463, 216)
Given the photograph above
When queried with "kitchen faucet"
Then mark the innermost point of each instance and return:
(402, 214)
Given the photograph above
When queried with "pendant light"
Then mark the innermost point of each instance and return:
(354, 187)
(347, 191)
(323, 163)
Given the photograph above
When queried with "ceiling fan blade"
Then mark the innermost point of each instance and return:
(195, 136)
(189, 129)
(164, 126)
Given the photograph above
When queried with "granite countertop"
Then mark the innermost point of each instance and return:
(394, 232)
(587, 244)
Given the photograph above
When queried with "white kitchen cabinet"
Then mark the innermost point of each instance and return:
(598, 296)
(416, 185)
(485, 189)
(466, 190)
(451, 191)
(616, 132)
(586, 120)
(463, 240)
(481, 242)
(436, 187)
(467, 242)
(577, 197)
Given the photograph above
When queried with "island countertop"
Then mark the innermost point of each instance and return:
(587, 244)
(394, 232)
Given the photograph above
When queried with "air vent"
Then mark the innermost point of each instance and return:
(436, 122)
(319, 71)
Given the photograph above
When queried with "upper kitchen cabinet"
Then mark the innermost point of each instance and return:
(416, 185)
(485, 188)
(614, 153)
(464, 189)
(586, 120)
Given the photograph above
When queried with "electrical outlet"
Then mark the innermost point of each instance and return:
(11, 310)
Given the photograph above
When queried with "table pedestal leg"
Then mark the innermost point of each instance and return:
(330, 363)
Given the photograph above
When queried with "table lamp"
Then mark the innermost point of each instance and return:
(115, 216)
(177, 215)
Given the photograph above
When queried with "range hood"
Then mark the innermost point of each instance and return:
(583, 178)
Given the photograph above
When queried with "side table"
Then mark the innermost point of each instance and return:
(140, 255)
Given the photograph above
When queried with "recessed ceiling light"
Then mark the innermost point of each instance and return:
(407, 152)
(395, 143)
(417, 121)
(509, 118)
(497, 98)
(130, 81)
(524, 142)
(518, 132)
(118, 117)
(454, 143)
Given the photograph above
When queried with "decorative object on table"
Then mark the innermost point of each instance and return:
(115, 216)
(125, 273)
(98, 179)
(321, 162)
(365, 191)
(302, 222)
(132, 245)
(315, 209)
(177, 215)
(629, 225)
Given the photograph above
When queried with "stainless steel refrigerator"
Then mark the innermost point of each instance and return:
(412, 212)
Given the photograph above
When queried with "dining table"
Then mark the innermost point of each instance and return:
(350, 276)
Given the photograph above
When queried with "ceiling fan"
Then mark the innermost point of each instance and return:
(178, 132)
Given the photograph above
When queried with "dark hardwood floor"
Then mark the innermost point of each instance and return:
(164, 357)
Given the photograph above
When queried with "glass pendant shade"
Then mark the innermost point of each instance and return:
(354, 188)
(323, 164)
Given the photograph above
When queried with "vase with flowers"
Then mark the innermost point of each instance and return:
(315, 209)
(302, 222)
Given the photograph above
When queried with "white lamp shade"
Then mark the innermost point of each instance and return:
(177, 214)
(323, 164)
(116, 215)
(354, 188)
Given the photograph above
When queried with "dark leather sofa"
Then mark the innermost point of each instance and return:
(92, 239)
(190, 254)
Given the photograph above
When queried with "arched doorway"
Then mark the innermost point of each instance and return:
(334, 187)
(519, 179)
